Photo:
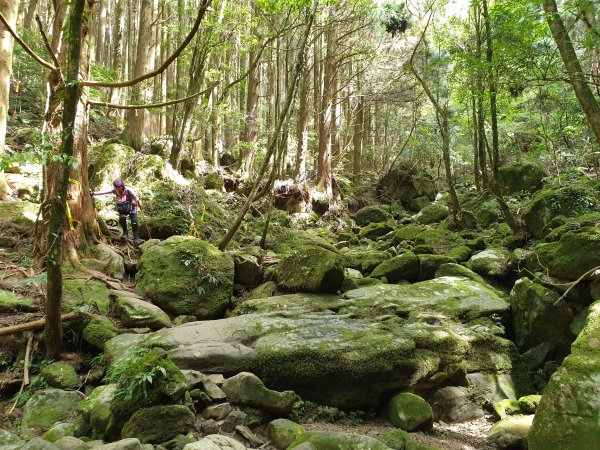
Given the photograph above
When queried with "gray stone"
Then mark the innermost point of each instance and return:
(235, 418)
(410, 412)
(60, 375)
(8, 438)
(249, 436)
(452, 404)
(135, 312)
(217, 412)
(210, 426)
(71, 443)
(216, 442)
(157, 424)
(123, 444)
(492, 262)
(337, 440)
(247, 389)
(38, 443)
(506, 432)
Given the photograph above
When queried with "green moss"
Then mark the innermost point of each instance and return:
(78, 292)
(371, 214)
(432, 213)
(12, 302)
(550, 203)
(560, 227)
(157, 424)
(184, 275)
(311, 269)
(403, 267)
(282, 240)
(61, 375)
(99, 330)
(529, 403)
(506, 407)
(407, 233)
(376, 230)
(47, 407)
(440, 241)
(327, 440)
(461, 253)
(135, 391)
(410, 412)
(520, 177)
(363, 259)
(107, 162)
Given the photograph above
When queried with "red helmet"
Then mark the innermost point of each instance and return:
(118, 183)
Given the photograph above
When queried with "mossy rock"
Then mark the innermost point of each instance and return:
(284, 241)
(432, 213)
(550, 203)
(492, 262)
(440, 241)
(363, 259)
(376, 230)
(329, 440)
(576, 253)
(213, 180)
(248, 271)
(408, 233)
(311, 269)
(567, 416)
(106, 162)
(561, 224)
(49, 406)
(371, 214)
(529, 403)
(402, 267)
(429, 264)
(247, 389)
(78, 292)
(112, 263)
(60, 375)
(488, 214)
(512, 432)
(168, 386)
(506, 407)
(17, 221)
(186, 276)
(157, 424)
(137, 313)
(13, 302)
(410, 412)
(405, 185)
(521, 176)
(59, 430)
(267, 289)
(417, 204)
(282, 432)
(99, 330)
(457, 270)
(9, 439)
(401, 440)
(537, 317)
(96, 408)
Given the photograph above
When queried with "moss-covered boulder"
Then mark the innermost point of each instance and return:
(521, 176)
(458, 270)
(576, 253)
(247, 389)
(440, 241)
(216, 442)
(550, 203)
(282, 432)
(567, 416)
(60, 375)
(374, 231)
(46, 407)
(311, 269)
(348, 351)
(248, 271)
(408, 233)
(329, 440)
(410, 412)
(78, 292)
(537, 317)
(96, 408)
(429, 265)
(107, 162)
(134, 312)
(111, 263)
(512, 432)
(363, 259)
(99, 330)
(184, 275)
(405, 185)
(492, 262)
(10, 439)
(529, 403)
(402, 267)
(134, 391)
(432, 213)
(157, 424)
(13, 302)
(371, 214)
(16, 221)
(78, 427)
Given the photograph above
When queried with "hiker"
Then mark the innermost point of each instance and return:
(127, 204)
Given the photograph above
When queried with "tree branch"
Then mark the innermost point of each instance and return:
(27, 49)
(48, 46)
(152, 105)
(120, 84)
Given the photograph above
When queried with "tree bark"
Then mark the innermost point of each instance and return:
(303, 122)
(577, 77)
(357, 139)
(9, 8)
(326, 115)
(29, 14)
(250, 133)
(57, 202)
(136, 118)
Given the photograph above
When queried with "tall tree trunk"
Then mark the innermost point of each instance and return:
(117, 56)
(101, 32)
(57, 201)
(303, 122)
(136, 117)
(9, 8)
(493, 88)
(326, 115)
(357, 138)
(250, 133)
(29, 14)
(577, 77)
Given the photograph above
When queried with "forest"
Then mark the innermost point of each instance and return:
(299, 224)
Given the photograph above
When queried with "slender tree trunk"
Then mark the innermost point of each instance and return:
(29, 14)
(492, 86)
(577, 78)
(101, 32)
(136, 117)
(303, 122)
(357, 139)
(250, 133)
(9, 8)
(57, 203)
(326, 115)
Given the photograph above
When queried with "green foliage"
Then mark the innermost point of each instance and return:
(42, 151)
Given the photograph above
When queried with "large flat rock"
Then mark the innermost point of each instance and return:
(351, 351)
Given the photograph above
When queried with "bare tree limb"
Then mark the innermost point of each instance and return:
(120, 84)
(48, 46)
(27, 49)
(152, 105)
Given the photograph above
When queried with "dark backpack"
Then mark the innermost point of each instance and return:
(124, 208)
